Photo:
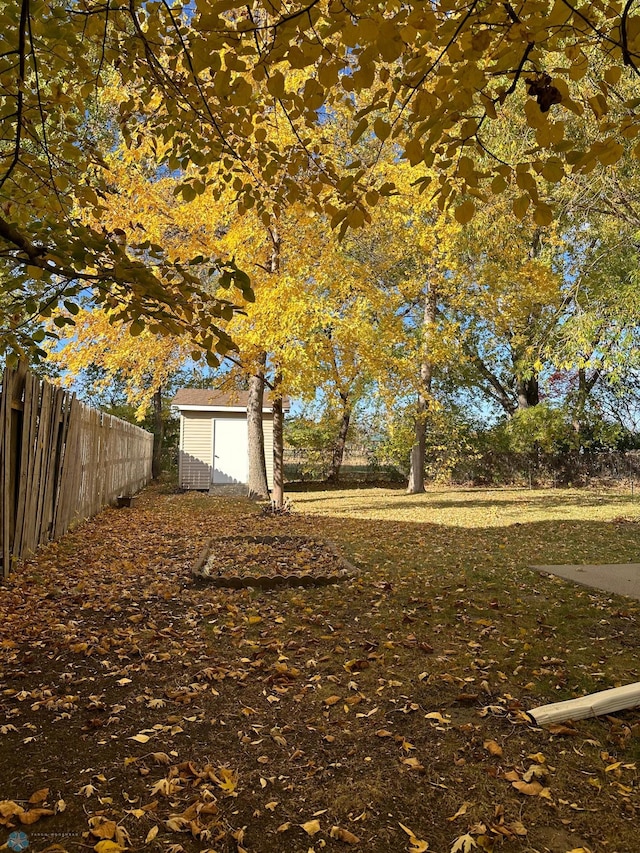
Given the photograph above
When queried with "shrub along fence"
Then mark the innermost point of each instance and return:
(60, 462)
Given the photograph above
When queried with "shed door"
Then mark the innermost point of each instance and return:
(230, 453)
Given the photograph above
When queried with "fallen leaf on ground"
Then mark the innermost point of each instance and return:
(108, 847)
(461, 811)
(33, 815)
(417, 845)
(225, 779)
(311, 827)
(343, 835)
(436, 715)
(531, 789)
(102, 828)
(562, 729)
(39, 796)
(8, 808)
(463, 844)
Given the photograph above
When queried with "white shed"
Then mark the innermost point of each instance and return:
(213, 437)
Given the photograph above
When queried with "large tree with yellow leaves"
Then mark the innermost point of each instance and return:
(209, 82)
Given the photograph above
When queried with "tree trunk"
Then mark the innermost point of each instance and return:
(257, 487)
(278, 417)
(158, 435)
(340, 442)
(278, 449)
(418, 451)
(586, 384)
(528, 392)
(581, 401)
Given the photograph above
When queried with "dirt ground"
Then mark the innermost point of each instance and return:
(143, 708)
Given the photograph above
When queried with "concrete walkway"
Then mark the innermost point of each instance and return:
(621, 578)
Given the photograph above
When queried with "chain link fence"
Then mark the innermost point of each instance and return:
(535, 470)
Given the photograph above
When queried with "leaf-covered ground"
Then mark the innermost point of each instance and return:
(256, 557)
(143, 709)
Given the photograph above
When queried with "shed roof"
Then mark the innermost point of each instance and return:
(210, 398)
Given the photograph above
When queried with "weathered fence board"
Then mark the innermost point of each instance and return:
(5, 479)
(60, 462)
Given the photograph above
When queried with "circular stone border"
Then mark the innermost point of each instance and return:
(299, 579)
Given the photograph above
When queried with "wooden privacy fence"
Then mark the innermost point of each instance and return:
(60, 462)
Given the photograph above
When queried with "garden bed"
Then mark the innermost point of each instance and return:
(268, 562)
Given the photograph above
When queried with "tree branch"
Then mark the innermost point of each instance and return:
(22, 46)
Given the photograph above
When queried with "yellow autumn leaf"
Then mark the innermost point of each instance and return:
(493, 748)
(8, 808)
(520, 206)
(412, 763)
(530, 789)
(108, 847)
(343, 835)
(151, 834)
(102, 828)
(381, 128)
(461, 811)
(436, 715)
(226, 779)
(553, 171)
(33, 815)
(464, 212)
(416, 845)
(140, 738)
(464, 844)
(542, 214)
(311, 827)
(39, 796)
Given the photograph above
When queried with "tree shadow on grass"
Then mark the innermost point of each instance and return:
(548, 500)
(447, 550)
(470, 508)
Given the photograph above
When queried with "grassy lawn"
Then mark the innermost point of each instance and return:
(458, 507)
(145, 708)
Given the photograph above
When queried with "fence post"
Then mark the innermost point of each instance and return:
(13, 383)
(57, 458)
(6, 508)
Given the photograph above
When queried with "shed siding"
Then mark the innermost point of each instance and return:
(196, 446)
(196, 450)
(267, 430)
